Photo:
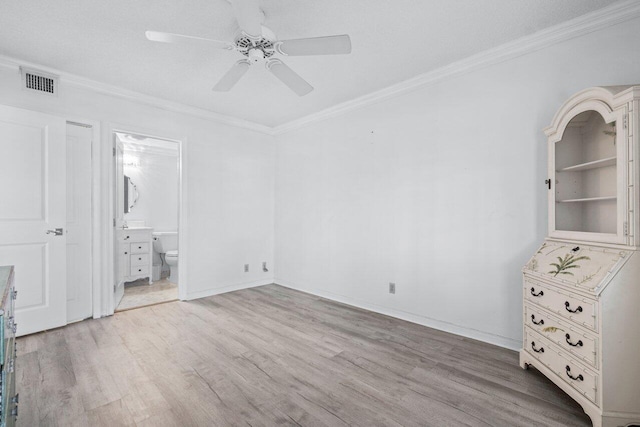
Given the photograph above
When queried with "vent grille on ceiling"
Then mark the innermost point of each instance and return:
(39, 81)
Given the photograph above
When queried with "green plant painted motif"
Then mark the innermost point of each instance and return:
(552, 329)
(568, 262)
(589, 277)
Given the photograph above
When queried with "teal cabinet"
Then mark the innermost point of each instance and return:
(8, 396)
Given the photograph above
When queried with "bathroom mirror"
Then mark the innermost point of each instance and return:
(130, 194)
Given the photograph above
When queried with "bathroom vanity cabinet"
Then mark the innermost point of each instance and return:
(135, 253)
(8, 396)
(582, 286)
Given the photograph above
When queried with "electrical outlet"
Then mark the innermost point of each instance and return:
(246, 268)
(392, 288)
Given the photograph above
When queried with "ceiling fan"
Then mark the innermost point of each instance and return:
(259, 44)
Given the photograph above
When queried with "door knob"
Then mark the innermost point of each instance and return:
(56, 232)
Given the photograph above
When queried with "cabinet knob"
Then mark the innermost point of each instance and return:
(568, 339)
(533, 319)
(568, 371)
(533, 346)
(533, 292)
(567, 307)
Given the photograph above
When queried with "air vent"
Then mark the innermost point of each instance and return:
(39, 81)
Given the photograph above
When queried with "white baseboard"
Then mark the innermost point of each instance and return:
(475, 334)
(227, 288)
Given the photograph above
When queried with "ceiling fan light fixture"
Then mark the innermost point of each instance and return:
(256, 55)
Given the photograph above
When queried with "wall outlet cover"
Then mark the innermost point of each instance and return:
(392, 288)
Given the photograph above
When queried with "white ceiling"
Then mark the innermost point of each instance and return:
(393, 40)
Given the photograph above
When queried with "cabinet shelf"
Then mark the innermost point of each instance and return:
(602, 163)
(588, 199)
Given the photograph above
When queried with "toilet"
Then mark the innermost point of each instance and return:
(171, 257)
(166, 242)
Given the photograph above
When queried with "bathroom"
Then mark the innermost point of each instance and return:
(147, 172)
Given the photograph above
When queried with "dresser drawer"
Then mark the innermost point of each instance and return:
(139, 270)
(562, 364)
(580, 344)
(139, 248)
(581, 310)
(139, 259)
(135, 235)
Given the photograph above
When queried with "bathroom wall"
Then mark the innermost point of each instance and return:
(156, 178)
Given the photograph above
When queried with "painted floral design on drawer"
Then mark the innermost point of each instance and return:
(579, 265)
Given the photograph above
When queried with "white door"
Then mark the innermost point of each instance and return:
(78, 231)
(32, 207)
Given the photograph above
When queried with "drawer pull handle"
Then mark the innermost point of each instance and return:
(578, 378)
(576, 249)
(16, 398)
(533, 346)
(578, 344)
(539, 294)
(533, 319)
(567, 306)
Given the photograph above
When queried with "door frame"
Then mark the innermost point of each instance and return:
(107, 291)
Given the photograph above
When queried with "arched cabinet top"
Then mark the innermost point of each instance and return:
(605, 100)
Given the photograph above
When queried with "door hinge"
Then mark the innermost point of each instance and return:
(624, 120)
(548, 182)
(114, 151)
(625, 228)
(114, 287)
(114, 222)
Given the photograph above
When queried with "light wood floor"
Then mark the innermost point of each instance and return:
(272, 356)
(140, 293)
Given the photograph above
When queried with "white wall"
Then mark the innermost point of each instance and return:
(229, 172)
(156, 178)
(440, 191)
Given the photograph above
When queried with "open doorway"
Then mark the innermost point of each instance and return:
(147, 220)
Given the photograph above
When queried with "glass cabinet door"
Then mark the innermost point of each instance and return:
(586, 201)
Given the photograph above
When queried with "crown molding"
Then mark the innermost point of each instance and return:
(593, 21)
(129, 95)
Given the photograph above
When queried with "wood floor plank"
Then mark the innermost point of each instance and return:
(274, 356)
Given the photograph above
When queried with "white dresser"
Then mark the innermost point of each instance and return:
(582, 287)
(135, 253)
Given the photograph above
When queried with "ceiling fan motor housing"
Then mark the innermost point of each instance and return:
(255, 50)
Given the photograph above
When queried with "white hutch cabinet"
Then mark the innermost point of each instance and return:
(582, 287)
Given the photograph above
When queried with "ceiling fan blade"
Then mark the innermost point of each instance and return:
(232, 76)
(330, 45)
(249, 16)
(157, 36)
(289, 77)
